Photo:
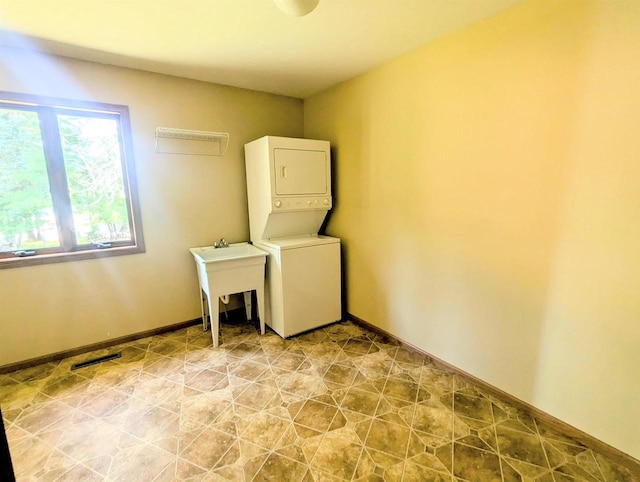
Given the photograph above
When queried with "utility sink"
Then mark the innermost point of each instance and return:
(238, 268)
(209, 254)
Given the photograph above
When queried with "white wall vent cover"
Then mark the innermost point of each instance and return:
(184, 141)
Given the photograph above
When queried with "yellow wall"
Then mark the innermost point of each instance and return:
(185, 201)
(488, 196)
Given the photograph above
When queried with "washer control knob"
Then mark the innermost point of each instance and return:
(308, 203)
(325, 202)
(278, 203)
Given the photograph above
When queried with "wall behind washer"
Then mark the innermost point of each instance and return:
(185, 201)
(487, 194)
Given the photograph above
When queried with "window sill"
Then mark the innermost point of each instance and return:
(65, 257)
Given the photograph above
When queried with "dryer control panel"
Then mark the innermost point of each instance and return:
(301, 203)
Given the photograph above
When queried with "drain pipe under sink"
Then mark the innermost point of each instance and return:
(225, 301)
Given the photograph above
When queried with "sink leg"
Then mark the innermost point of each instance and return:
(215, 319)
(203, 309)
(247, 304)
(260, 299)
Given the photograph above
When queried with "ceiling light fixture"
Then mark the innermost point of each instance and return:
(296, 8)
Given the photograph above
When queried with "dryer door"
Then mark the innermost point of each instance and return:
(299, 172)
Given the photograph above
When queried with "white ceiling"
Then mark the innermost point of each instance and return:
(244, 43)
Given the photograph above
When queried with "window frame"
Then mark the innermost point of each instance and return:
(47, 109)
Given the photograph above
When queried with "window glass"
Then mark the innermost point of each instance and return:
(27, 219)
(94, 175)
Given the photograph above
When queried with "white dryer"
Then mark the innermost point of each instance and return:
(289, 195)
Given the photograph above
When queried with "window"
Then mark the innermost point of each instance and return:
(67, 183)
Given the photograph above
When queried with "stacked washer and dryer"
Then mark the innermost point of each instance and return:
(289, 195)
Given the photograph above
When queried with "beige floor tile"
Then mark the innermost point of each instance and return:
(338, 403)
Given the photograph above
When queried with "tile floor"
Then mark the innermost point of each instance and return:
(338, 403)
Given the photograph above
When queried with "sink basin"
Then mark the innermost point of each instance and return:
(209, 254)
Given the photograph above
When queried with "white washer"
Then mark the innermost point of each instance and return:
(303, 285)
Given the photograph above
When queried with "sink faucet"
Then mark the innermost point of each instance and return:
(223, 243)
